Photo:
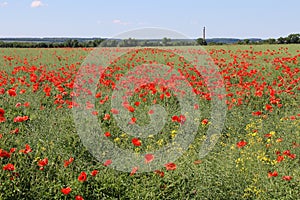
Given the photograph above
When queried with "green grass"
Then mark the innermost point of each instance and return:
(227, 172)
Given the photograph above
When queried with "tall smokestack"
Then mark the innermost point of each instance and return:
(204, 33)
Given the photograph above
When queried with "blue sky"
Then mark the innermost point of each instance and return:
(107, 18)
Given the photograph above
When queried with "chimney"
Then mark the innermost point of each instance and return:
(204, 33)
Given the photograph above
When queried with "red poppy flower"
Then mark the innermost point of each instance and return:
(289, 154)
(292, 117)
(94, 172)
(182, 119)
(21, 118)
(2, 112)
(175, 118)
(89, 105)
(170, 166)
(66, 190)
(12, 150)
(108, 162)
(68, 162)
(269, 107)
(204, 121)
(4, 154)
(2, 119)
(196, 162)
(133, 171)
(42, 163)
(241, 144)
(149, 157)
(26, 104)
(15, 131)
(257, 113)
(114, 111)
(9, 167)
(162, 96)
(22, 91)
(160, 173)
(151, 112)
(292, 156)
(2, 90)
(268, 135)
(280, 158)
(287, 178)
(82, 177)
(168, 94)
(130, 108)
(98, 95)
(102, 101)
(12, 92)
(107, 134)
(26, 150)
(286, 152)
(272, 174)
(95, 113)
(106, 117)
(136, 142)
(79, 197)
(133, 120)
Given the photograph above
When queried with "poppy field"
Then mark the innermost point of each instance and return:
(257, 155)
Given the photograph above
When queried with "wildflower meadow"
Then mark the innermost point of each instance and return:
(43, 155)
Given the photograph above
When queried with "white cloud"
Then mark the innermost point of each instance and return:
(117, 21)
(3, 4)
(36, 4)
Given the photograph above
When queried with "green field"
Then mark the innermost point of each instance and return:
(256, 157)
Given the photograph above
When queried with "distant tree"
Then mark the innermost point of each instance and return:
(130, 42)
(144, 43)
(294, 38)
(165, 41)
(246, 41)
(97, 42)
(201, 41)
(281, 40)
(271, 41)
(42, 45)
(75, 43)
(215, 43)
(68, 43)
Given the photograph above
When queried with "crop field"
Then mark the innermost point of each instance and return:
(49, 149)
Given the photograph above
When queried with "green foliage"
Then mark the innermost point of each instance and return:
(228, 172)
(201, 41)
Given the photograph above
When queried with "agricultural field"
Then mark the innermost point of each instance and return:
(257, 155)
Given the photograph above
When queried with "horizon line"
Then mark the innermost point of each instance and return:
(98, 37)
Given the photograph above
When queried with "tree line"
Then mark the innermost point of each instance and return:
(290, 39)
(131, 42)
(73, 43)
